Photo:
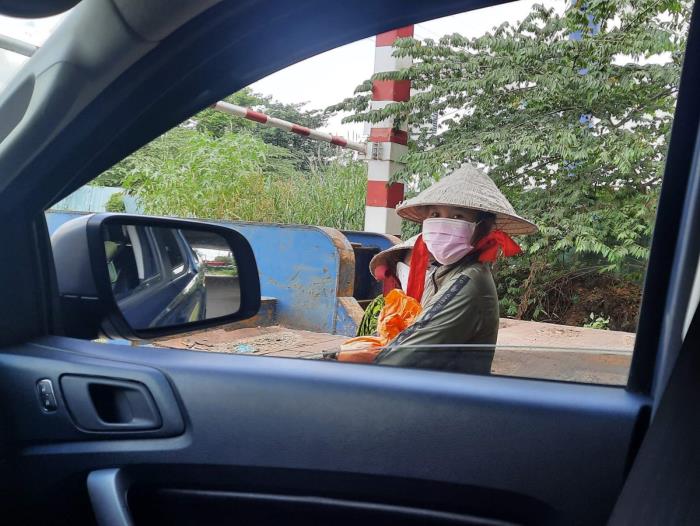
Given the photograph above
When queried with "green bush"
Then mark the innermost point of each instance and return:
(115, 203)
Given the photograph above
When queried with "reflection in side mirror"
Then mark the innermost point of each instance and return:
(163, 277)
(140, 277)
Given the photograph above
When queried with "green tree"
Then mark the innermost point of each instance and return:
(217, 123)
(570, 114)
(303, 150)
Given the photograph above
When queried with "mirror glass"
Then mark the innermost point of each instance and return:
(162, 277)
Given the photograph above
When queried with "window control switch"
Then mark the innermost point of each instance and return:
(47, 397)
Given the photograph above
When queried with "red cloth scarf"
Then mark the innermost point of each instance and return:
(488, 246)
(420, 258)
(389, 281)
(487, 249)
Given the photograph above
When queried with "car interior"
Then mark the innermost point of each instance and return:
(109, 434)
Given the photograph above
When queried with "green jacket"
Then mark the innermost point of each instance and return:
(460, 306)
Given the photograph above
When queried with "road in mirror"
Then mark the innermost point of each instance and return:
(161, 277)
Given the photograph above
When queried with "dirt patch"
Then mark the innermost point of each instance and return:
(260, 341)
(585, 367)
(525, 349)
(619, 300)
(538, 334)
(261, 345)
(570, 300)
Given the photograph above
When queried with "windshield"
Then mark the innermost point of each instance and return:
(29, 31)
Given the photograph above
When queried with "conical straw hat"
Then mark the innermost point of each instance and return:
(383, 257)
(467, 187)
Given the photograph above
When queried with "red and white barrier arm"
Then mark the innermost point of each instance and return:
(266, 120)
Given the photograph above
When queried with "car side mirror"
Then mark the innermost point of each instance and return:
(140, 277)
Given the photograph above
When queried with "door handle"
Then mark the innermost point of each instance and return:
(107, 489)
(106, 404)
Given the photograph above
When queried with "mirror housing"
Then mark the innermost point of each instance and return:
(35, 8)
(88, 305)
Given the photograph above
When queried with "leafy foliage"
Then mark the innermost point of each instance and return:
(597, 322)
(303, 152)
(218, 166)
(115, 203)
(300, 155)
(570, 114)
(238, 176)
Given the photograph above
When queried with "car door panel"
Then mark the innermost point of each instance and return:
(499, 443)
(60, 424)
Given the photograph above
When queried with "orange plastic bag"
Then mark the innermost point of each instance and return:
(398, 313)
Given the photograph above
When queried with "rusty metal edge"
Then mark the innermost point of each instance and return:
(346, 261)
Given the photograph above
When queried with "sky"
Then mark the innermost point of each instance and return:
(335, 73)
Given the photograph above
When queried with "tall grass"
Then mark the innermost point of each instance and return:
(331, 194)
(239, 177)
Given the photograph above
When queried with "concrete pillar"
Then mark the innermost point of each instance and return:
(386, 144)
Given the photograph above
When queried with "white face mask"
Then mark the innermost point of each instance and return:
(402, 271)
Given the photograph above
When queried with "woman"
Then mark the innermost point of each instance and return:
(466, 222)
(391, 267)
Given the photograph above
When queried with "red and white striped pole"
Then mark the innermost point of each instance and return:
(266, 120)
(386, 144)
